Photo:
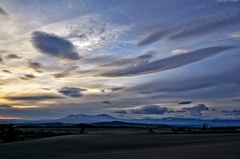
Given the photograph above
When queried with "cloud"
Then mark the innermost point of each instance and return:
(226, 1)
(1, 60)
(106, 102)
(116, 89)
(196, 110)
(12, 56)
(133, 62)
(3, 12)
(208, 85)
(236, 100)
(116, 62)
(33, 97)
(5, 106)
(72, 91)
(232, 112)
(185, 102)
(60, 75)
(206, 25)
(65, 73)
(55, 46)
(120, 111)
(179, 51)
(234, 36)
(35, 66)
(143, 59)
(6, 71)
(153, 37)
(147, 55)
(27, 77)
(23, 78)
(151, 109)
(170, 62)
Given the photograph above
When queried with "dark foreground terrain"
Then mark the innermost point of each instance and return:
(207, 146)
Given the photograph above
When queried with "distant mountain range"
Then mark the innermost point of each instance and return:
(108, 120)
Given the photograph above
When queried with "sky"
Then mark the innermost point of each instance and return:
(128, 58)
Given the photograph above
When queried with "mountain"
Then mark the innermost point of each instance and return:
(107, 119)
(83, 118)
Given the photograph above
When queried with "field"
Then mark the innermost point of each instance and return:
(122, 146)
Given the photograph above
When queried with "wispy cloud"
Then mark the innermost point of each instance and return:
(206, 25)
(66, 72)
(5, 106)
(128, 62)
(179, 51)
(32, 97)
(225, 78)
(153, 37)
(170, 62)
(234, 36)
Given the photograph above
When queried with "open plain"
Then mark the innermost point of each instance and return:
(181, 146)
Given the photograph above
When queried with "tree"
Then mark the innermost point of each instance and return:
(204, 127)
(10, 135)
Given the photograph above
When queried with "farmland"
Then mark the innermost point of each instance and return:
(166, 146)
